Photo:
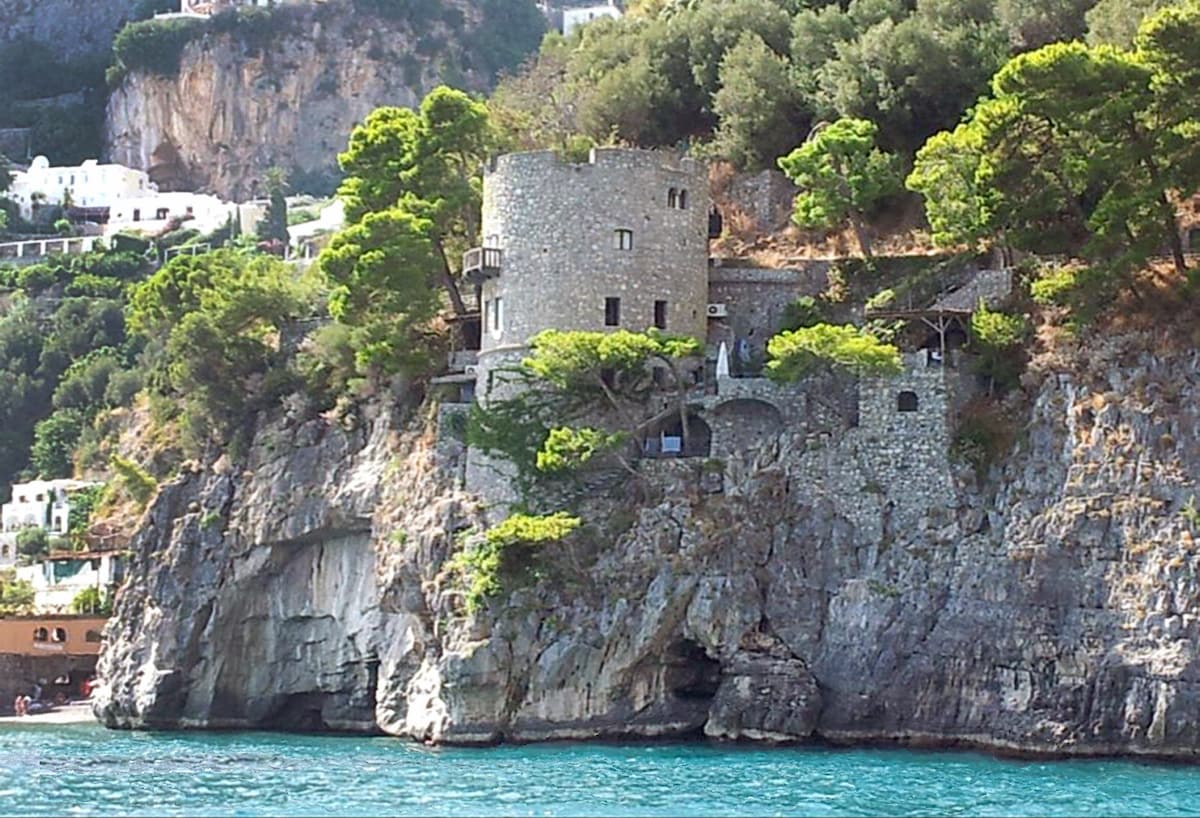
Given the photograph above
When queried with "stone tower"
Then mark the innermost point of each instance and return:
(618, 242)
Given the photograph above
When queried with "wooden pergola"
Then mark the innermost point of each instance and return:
(940, 321)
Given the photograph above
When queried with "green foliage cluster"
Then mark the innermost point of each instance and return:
(213, 322)
(507, 554)
(93, 602)
(567, 449)
(572, 375)
(83, 505)
(998, 340)
(65, 355)
(797, 353)
(33, 542)
(153, 46)
(412, 194)
(16, 596)
(1078, 149)
(751, 77)
(841, 175)
(133, 480)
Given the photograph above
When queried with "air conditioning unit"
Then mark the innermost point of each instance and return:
(470, 369)
(717, 311)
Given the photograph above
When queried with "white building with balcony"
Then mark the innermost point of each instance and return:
(58, 579)
(154, 213)
(44, 504)
(89, 185)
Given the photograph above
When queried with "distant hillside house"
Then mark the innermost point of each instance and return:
(567, 17)
(42, 504)
(155, 213)
(208, 7)
(90, 186)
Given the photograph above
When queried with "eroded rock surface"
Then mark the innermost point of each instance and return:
(1051, 607)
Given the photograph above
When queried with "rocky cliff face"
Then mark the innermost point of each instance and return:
(243, 102)
(73, 28)
(810, 591)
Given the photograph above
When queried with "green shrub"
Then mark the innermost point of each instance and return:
(92, 601)
(136, 482)
(16, 596)
(83, 504)
(155, 46)
(33, 542)
(54, 442)
(508, 552)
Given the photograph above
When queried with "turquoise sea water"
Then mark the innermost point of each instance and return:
(86, 770)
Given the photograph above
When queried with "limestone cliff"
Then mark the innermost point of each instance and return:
(72, 28)
(846, 586)
(245, 100)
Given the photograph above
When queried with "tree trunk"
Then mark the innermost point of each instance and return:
(456, 299)
(1173, 238)
(860, 232)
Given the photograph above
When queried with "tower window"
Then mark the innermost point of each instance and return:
(498, 314)
(660, 314)
(612, 312)
(906, 402)
(672, 198)
(137, 215)
(683, 200)
(624, 239)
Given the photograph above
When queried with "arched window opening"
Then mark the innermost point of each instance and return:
(91, 636)
(60, 635)
(683, 200)
(41, 635)
(906, 402)
(672, 198)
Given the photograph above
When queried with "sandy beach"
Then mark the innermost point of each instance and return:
(73, 713)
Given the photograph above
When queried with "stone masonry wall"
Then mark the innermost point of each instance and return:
(556, 223)
(757, 298)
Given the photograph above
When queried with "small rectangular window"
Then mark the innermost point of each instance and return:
(498, 315)
(487, 313)
(624, 239)
(137, 215)
(162, 213)
(660, 314)
(612, 312)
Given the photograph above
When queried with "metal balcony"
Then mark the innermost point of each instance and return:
(481, 263)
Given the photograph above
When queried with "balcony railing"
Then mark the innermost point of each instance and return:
(480, 263)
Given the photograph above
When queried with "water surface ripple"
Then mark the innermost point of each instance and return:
(86, 770)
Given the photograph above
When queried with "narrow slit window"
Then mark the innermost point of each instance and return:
(672, 198)
(612, 312)
(498, 315)
(660, 314)
(624, 239)
(683, 200)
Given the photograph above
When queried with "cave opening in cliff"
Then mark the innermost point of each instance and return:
(691, 673)
(300, 713)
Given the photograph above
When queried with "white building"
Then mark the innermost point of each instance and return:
(90, 185)
(42, 504)
(152, 213)
(209, 7)
(568, 18)
(58, 580)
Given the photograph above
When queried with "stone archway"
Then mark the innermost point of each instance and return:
(745, 423)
